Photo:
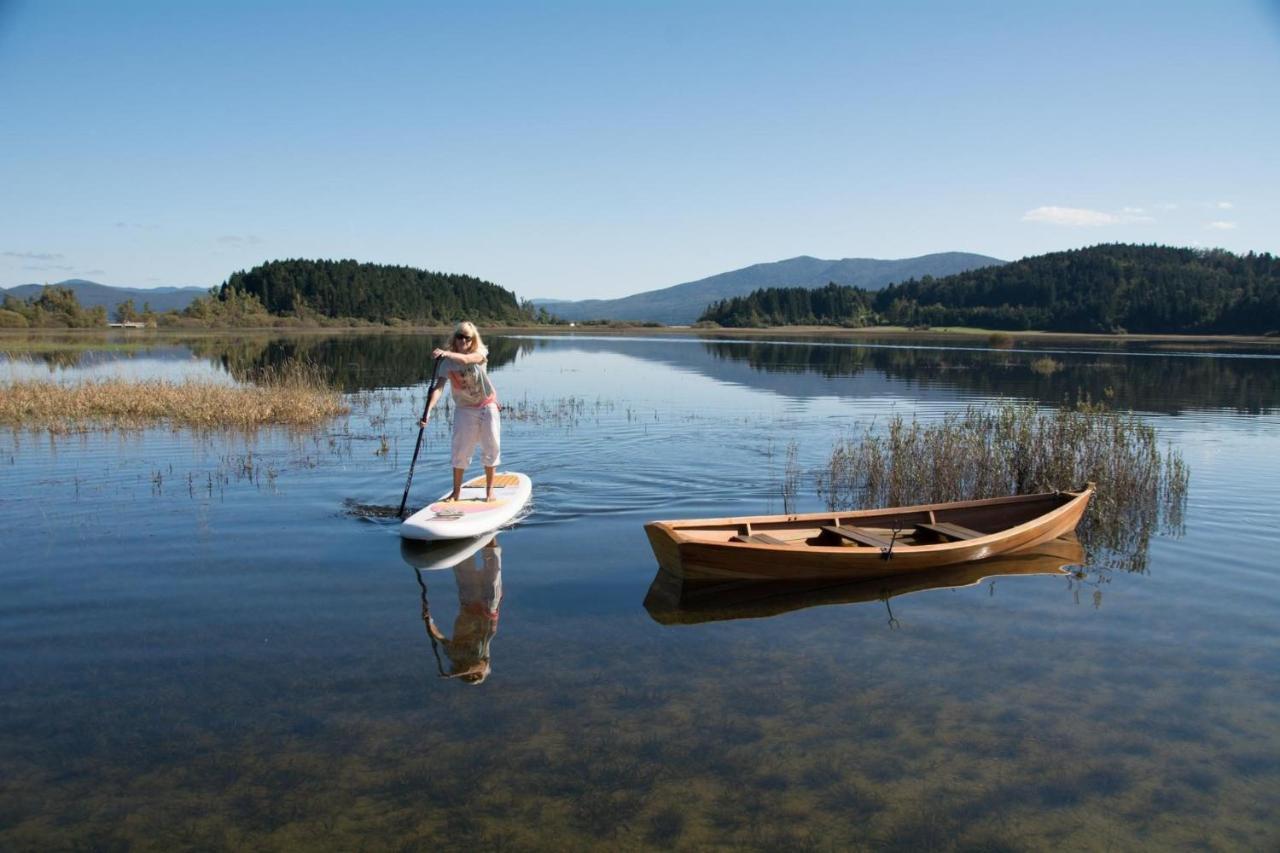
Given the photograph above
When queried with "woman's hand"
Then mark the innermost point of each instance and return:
(443, 353)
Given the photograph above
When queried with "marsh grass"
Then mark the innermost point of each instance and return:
(563, 411)
(1045, 366)
(791, 474)
(293, 394)
(1020, 449)
(1000, 340)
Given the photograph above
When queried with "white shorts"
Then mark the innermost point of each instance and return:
(472, 426)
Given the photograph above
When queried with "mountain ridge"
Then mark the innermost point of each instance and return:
(91, 294)
(684, 303)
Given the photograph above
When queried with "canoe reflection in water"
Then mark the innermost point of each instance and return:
(673, 601)
(477, 571)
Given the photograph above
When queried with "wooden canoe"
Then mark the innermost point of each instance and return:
(679, 601)
(864, 544)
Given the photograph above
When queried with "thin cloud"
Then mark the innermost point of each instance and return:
(1222, 225)
(35, 256)
(1224, 205)
(240, 240)
(1079, 217)
(48, 267)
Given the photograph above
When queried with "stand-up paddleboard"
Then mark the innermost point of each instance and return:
(471, 515)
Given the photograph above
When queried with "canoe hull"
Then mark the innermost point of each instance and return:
(681, 550)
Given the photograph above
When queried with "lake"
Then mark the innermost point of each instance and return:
(215, 641)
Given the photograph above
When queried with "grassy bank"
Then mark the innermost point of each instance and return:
(295, 396)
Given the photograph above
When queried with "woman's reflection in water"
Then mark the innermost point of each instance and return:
(479, 579)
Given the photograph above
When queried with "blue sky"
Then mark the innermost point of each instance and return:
(599, 149)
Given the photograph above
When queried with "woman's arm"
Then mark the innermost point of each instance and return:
(433, 397)
(461, 357)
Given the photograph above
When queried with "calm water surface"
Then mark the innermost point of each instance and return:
(206, 645)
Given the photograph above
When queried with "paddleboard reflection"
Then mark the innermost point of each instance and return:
(476, 564)
(671, 601)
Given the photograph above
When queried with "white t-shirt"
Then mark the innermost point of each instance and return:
(470, 384)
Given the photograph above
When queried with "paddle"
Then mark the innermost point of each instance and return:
(426, 412)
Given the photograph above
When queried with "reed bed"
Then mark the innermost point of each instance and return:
(1020, 449)
(291, 395)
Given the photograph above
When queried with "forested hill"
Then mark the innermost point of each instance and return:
(1106, 288)
(376, 292)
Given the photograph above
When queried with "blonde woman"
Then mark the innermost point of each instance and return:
(475, 417)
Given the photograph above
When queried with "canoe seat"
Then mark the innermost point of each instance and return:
(859, 535)
(759, 539)
(954, 531)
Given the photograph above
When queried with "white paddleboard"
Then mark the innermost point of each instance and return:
(471, 515)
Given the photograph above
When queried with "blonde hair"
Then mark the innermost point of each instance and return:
(466, 327)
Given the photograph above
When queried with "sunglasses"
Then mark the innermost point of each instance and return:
(461, 337)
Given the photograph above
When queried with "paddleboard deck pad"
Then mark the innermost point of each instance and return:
(471, 515)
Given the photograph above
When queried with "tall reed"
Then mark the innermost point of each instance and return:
(1017, 448)
(791, 474)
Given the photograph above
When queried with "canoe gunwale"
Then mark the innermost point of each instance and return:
(676, 524)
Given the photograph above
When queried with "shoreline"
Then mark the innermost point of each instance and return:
(157, 335)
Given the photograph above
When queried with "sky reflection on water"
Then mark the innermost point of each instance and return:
(203, 648)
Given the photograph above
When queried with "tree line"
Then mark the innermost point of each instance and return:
(294, 293)
(52, 308)
(1106, 288)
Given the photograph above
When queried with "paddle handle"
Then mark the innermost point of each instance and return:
(422, 427)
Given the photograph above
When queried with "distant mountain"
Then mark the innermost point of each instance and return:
(91, 294)
(1108, 288)
(684, 303)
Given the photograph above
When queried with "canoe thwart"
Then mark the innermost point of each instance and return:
(759, 539)
(858, 535)
(954, 531)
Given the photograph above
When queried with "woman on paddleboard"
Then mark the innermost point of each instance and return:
(475, 416)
